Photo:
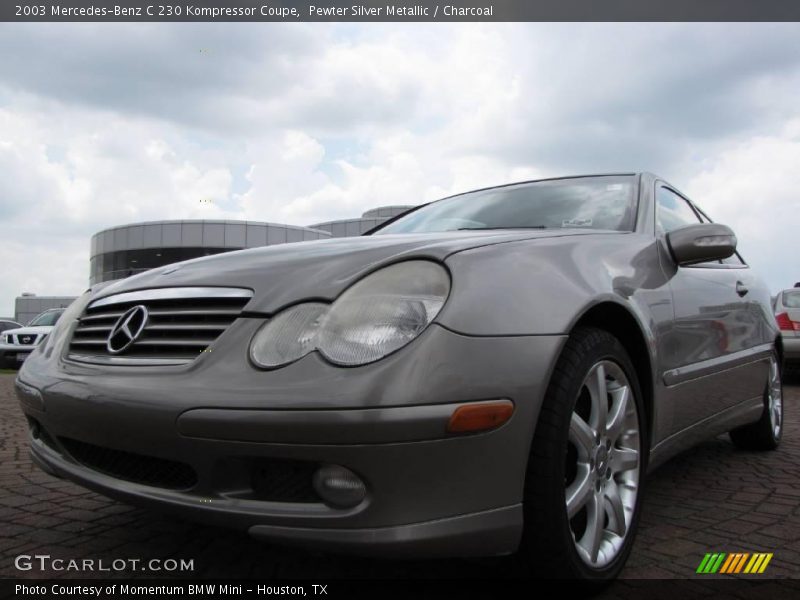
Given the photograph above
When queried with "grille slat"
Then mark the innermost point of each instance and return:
(181, 324)
(94, 329)
(109, 316)
(191, 312)
(175, 342)
(181, 327)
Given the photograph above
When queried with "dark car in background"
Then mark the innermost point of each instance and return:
(489, 374)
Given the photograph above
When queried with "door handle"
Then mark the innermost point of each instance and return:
(741, 288)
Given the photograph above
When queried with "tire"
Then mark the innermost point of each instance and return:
(765, 434)
(553, 544)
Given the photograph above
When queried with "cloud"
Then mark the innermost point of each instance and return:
(201, 75)
(103, 124)
(753, 188)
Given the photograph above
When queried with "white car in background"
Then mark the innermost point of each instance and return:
(17, 344)
(787, 314)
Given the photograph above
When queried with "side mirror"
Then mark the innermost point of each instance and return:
(701, 243)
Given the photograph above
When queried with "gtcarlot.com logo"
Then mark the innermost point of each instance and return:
(44, 562)
(734, 562)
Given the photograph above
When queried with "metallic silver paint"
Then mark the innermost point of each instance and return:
(170, 293)
(515, 298)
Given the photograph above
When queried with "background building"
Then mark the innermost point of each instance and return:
(352, 227)
(28, 306)
(128, 249)
(125, 250)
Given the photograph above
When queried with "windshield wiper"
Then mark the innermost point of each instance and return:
(493, 228)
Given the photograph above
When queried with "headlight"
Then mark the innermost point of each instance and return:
(373, 318)
(289, 336)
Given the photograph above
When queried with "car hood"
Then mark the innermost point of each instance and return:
(321, 269)
(30, 330)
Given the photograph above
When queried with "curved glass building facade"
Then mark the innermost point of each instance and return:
(123, 251)
(371, 218)
(129, 249)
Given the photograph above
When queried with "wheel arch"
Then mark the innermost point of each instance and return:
(620, 322)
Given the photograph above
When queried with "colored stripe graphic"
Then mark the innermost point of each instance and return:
(703, 564)
(711, 562)
(727, 564)
(755, 562)
(765, 562)
(734, 563)
(742, 559)
(716, 565)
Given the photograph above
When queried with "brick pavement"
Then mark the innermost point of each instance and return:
(712, 498)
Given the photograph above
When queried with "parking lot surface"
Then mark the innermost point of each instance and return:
(713, 498)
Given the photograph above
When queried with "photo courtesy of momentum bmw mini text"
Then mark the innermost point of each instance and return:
(399, 299)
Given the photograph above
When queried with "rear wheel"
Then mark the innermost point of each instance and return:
(586, 467)
(765, 434)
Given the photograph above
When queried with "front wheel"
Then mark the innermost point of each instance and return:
(586, 467)
(765, 434)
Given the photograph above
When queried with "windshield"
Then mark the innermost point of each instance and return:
(587, 202)
(46, 318)
(791, 299)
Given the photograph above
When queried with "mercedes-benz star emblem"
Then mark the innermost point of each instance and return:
(127, 329)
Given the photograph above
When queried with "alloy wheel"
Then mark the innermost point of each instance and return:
(603, 464)
(775, 398)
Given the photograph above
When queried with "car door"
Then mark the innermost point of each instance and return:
(716, 353)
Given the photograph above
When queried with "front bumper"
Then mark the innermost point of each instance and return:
(429, 494)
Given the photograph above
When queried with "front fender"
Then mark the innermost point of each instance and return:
(541, 287)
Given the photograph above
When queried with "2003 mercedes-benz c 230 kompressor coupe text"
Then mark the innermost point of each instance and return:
(488, 374)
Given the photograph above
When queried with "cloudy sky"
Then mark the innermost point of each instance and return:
(105, 124)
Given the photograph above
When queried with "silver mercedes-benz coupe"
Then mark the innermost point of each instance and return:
(489, 374)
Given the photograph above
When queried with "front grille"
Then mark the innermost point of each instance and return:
(181, 323)
(26, 339)
(283, 481)
(137, 468)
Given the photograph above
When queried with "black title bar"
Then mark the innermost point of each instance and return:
(399, 10)
(334, 589)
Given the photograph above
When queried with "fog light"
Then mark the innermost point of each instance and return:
(339, 486)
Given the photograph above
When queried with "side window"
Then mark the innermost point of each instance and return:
(672, 211)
